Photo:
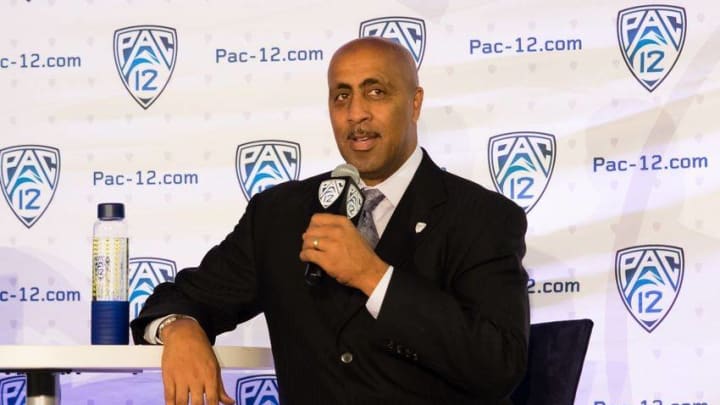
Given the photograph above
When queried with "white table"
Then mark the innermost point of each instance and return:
(44, 364)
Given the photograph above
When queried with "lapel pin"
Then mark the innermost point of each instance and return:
(420, 226)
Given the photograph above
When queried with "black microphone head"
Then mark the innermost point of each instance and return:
(340, 194)
(337, 195)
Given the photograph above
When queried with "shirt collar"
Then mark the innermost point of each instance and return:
(394, 186)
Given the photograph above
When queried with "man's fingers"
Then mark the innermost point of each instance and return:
(224, 397)
(309, 254)
(215, 392)
(211, 395)
(168, 390)
(318, 237)
(324, 218)
(181, 395)
(189, 369)
(197, 394)
(320, 243)
(312, 241)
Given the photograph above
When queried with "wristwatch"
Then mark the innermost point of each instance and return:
(167, 321)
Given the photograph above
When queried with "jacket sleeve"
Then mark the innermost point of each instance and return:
(220, 293)
(473, 330)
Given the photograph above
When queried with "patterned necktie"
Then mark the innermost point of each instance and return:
(366, 225)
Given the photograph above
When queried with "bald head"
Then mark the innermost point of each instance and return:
(398, 56)
(374, 102)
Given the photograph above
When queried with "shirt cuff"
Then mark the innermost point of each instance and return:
(375, 301)
(151, 330)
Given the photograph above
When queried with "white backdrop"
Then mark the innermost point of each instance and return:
(598, 117)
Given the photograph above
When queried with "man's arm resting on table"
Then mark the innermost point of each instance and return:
(374, 304)
(190, 369)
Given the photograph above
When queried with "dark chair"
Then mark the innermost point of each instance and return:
(555, 360)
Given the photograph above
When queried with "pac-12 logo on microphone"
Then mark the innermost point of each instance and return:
(146, 273)
(331, 189)
(651, 39)
(12, 390)
(262, 164)
(257, 390)
(407, 31)
(145, 57)
(521, 164)
(648, 278)
(29, 175)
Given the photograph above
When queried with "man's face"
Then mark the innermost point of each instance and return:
(374, 109)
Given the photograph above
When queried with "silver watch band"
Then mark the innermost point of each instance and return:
(167, 321)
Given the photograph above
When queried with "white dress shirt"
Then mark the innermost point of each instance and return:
(393, 189)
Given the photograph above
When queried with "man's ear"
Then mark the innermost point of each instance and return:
(417, 102)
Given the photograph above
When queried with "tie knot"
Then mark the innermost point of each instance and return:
(373, 197)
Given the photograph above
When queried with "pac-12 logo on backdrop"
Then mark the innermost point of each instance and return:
(257, 390)
(29, 175)
(12, 390)
(648, 278)
(407, 31)
(145, 274)
(521, 164)
(263, 164)
(651, 39)
(145, 57)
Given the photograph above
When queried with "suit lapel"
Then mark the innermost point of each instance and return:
(422, 202)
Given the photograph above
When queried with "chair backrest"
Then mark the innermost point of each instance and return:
(555, 360)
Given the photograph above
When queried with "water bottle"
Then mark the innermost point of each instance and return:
(110, 309)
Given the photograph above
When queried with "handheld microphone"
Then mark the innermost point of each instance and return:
(339, 195)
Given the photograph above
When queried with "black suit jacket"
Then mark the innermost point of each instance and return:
(453, 327)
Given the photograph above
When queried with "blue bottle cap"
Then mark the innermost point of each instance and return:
(111, 211)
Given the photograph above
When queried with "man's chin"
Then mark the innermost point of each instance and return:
(369, 175)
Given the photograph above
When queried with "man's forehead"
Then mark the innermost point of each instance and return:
(371, 53)
(338, 83)
(358, 71)
(371, 57)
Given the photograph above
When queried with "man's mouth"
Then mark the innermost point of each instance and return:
(364, 141)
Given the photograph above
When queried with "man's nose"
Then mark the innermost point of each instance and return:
(358, 110)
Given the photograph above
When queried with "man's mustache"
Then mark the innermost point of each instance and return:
(359, 132)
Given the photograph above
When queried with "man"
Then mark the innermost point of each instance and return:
(436, 313)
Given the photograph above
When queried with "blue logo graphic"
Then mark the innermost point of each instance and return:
(257, 390)
(521, 164)
(145, 274)
(651, 39)
(263, 164)
(145, 57)
(407, 31)
(648, 279)
(29, 175)
(12, 390)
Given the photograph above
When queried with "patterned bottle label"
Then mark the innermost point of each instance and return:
(110, 269)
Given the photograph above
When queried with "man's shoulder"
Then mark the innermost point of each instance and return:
(462, 190)
(476, 209)
(288, 191)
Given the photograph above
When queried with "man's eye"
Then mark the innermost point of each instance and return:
(341, 97)
(376, 92)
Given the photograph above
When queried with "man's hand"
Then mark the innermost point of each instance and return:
(189, 366)
(342, 252)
